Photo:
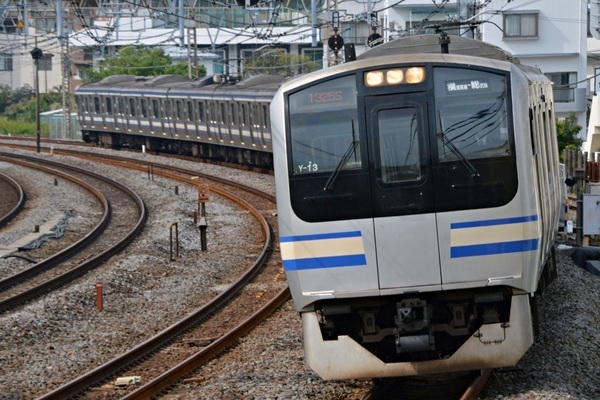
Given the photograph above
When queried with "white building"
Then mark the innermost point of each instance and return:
(546, 34)
(550, 35)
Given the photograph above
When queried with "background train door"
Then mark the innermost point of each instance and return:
(402, 191)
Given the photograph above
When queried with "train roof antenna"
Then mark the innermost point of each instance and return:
(444, 42)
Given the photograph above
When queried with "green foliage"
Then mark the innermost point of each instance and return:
(140, 61)
(13, 127)
(278, 62)
(24, 110)
(8, 97)
(566, 132)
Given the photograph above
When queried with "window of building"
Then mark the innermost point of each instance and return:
(521, 25)
(45, 25)
(315, 57)
(564, 86)
(423, 20)
(6, 62)
(219, 63)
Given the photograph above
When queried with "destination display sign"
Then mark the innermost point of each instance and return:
(467, 85)
(325, 97)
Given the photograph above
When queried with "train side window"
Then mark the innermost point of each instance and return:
(190, 111)
(167, 108)
(213, 112)
(533, 129)
(109, 105)
(243, 114)
(97, 105)
(155, 109)
(132, 107)
(233, 113)
(255, 115)
(201, 111)
(143, 108)
(223, 113)
(179, 110)
(264, 115)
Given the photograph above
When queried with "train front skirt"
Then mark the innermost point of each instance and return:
(492, 346)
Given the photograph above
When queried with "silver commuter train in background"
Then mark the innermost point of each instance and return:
(219, 121)
(418, 204)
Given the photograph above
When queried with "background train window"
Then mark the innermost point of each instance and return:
(167, 109)
(471, 114)
(190, 111)
(399, 144)
(201, 115)
(324, 127)
(109, 105)
(223, 113)
(97, 105)
(179, 110)
(233, 113)
(243, 115)
(132, 107)
(143, 108)
(265, 115)
(155, 109)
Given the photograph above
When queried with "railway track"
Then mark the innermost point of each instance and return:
(90, 384)
(122, 208)
(259, 291)
(13, 199)
(453, 386)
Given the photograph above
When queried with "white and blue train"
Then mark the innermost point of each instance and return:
(418, 201)
(219, 121)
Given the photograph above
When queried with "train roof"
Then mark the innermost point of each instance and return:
(420, 44)
(252, 84)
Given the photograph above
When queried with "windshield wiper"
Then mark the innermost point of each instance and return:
(448, 143)
(351, 149)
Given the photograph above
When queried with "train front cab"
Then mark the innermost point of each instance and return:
(410, 217)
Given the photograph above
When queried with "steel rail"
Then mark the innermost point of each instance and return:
(6, 218)
(69, 251)
(111, 367)
(91, 263)
(168, 378)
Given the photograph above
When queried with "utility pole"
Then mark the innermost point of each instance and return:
(192, 53)
(65, 64)
(37, 54)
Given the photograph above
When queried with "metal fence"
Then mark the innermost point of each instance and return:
(55, 122)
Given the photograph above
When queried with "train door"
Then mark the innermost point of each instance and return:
(402, 191)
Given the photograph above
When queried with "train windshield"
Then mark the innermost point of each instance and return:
(399, 144)
(324, 128)
(471, 115)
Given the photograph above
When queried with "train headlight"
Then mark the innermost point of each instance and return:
(394, 76)
(415, 75)
(374, 78)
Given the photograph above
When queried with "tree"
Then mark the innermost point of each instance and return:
(278, 62)
(23, 108)
(140, 61)
(566, 132)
